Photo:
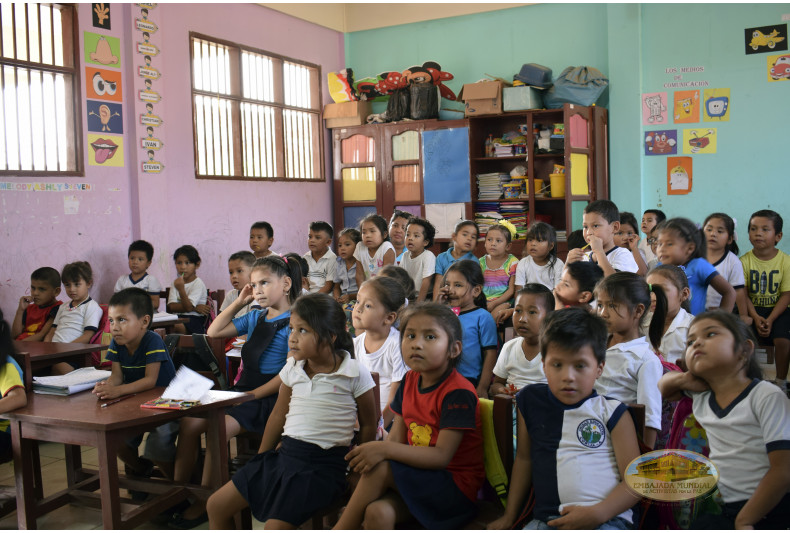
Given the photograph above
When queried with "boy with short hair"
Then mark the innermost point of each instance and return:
(321, 261)
(601, 220)
(464, 239)
(576, 285)
(140, 362)
(650, 219)
(140, 255)
(239, 268)
(261, 239)
(573, 445)
(36, 313)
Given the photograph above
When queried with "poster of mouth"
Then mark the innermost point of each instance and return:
(105, 150)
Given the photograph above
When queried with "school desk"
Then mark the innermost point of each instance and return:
(41, 354)
(79, 420)
(168, 324)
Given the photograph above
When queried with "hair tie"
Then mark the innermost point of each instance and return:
(649, 287)
(510, 227)
(285, 260)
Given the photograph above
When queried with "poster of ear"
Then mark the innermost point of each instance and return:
(765, 39)
(654, 108)
(147, 84)
(661, 142)
(716, 105)
(699, 141)
(104, 117)
(102, 50)
(679, 175)
(686, 107)
(778, 67)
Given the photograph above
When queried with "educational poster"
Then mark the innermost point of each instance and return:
(147, 60)
(716, 105)
(699, 141)
(765, 39)
(103, 84)
(149, 142)
(102, 50)
(661, 142)
(101, 16)
(778, 67)
(444, 217)
(105, 150)
(104, 117)
(686, 107)
(679, 175)
(654, 108)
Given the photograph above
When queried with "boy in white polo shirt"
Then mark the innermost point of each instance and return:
(321, 261)
(601, 219)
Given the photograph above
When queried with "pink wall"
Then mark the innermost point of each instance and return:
(171, 208)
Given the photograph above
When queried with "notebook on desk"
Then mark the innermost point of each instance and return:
(76, 381)
(188, 389)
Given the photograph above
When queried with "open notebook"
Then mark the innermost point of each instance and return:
(187, 389)
(76, 381)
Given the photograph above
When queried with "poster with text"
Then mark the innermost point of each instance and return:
(661, 142)
(699, 141)
(679, 175)
(102, 50)
(103, 84)
(105, 150)
(686, 107)
(716, 105)
(778, 67)
(654, 108)
(765, 39)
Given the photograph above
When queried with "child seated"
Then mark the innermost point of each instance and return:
(188, 297)
(601, 220)
(12, 387)
(464, 240)
(140, 362)
(628, 237)
(239, 268)
(140, 255)
(261, 239)
(573, 445)
(576, 285)
(419, 262)
(320, 259)
(650, 219)
(36, 313)
(348, 271)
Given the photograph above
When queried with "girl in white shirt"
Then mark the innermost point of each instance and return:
(324, 391)
(375, 251)
(722, 253)
(540, 263)
(676, 325)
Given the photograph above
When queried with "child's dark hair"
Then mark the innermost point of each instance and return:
(48, 275)
(326, 318)
(631, 290)
(76, 271)
(388, 291)
(142, 246)
(351, 233)
(775, 217)
(741, 332)
(397, 213)
(729, 225)
(572, 329)
(265, 226)
(400, 276)
(6, 341)
(280, 267)
(586, 273)
(473, 274)
(576, 239)
(606, 208)
(303, 266)
(443, 316)
(630, 219)
(245, 256)
(542, 232)
(320, 225)
(427, 228)
(378, 221)
(188, 251)
(688, 231)
(543, 294)
(678, 278)
(463, 223)
(503, 230)
(659, 214)
(137, 299)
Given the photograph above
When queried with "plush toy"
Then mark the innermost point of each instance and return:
(341, 86)
(376, 88)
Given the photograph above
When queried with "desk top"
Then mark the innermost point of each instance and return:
(83, 410)
(40, 350)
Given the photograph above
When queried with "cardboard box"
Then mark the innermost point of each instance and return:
(521, 98)
(347, 114)
(482, 98)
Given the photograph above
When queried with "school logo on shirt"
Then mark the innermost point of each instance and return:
(591, 433)
(671, 475)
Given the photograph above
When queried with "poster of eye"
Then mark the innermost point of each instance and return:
(679, 175)
(699, 141)
(778, 67)
(105, 117)
(686, 107)
(661, 142)
(765, 39)
(103, 84)
(654, 108)
(105, 150)
(102, 50)
(716, 105)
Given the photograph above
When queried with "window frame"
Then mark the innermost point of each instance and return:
(74, 131)
(236, 99)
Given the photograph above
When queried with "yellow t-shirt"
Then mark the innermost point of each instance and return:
(10, 378)
(766, 280)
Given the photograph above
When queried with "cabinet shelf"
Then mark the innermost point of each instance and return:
(520, 157)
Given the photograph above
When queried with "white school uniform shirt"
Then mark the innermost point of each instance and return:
(230, 297)
(673, 343)
(647, 252)
(621, 259)
(372, 265)
(322, 270)
(528, 271)
(196, 292)
(512, 365)
(71, 322)
(742, 434)
(387, 361)
(631, 375)
(148, 283)
(420, 267)
(731, 268)
(323, 410)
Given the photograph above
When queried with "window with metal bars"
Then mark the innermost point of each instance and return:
(256, 115)
(40, 130)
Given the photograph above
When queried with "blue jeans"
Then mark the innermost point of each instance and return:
(614, 523)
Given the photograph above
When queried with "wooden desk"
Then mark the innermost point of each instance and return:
(168, 325)
(42, 354)
(78, 420)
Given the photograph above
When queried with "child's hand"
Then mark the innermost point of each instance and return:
(694, 384)
(490, 306)
(482, 392)
(633, 243)
(501, 523)
(24, 302)
(178, 283)
(444, 294)
(596, 244)
(246, 294)
(104, 391)
(577, 254)
(762, 327)
(344, 299)
(203, 309)
(502, 314)
(577, 517)
(746, 319)
(365, 457)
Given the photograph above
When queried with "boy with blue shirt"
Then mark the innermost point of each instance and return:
(464, 239)
(140, 255)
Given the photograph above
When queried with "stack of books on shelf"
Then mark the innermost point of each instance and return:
(516, 214)
(503, 150)
(562, 235)
(486, 215)
(489, 186)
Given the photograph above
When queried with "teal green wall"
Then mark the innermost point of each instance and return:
(632, 44)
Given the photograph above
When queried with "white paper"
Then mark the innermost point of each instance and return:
(76, 377)
(187, 385)
(161, 317)
(220, 395)
(444, 217)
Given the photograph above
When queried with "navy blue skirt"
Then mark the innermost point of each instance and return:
(432, 497)
(254, 414)
(292, 483)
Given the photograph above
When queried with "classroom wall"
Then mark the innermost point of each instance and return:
(171, 208)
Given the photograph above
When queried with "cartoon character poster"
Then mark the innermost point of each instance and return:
(765, 39)
(699, 141)
(105, 150)
(686, 107)
(102, 50)
(105, 117)
(661, 142)
(101, 16)
(778, 67)
(654, 108)
(103, 84)
(679, 175)
(716, 105)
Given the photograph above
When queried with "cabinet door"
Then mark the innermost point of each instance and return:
(403, 168)
(357, 176)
